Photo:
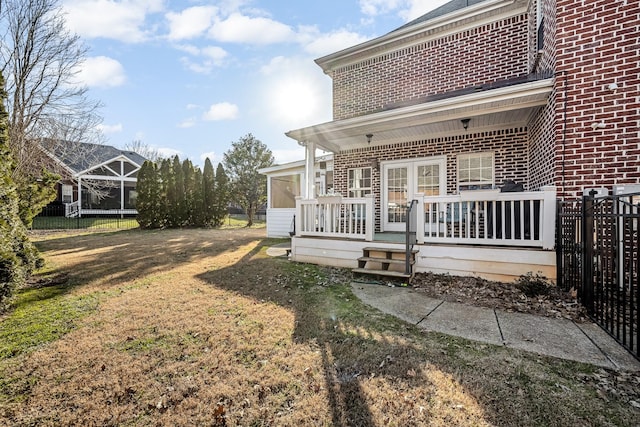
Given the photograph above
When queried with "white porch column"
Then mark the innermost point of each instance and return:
(121, 188)
(420, 218)
(549, 217)
(370, 218)
(298, 216)
(310, 173)
(79, 197)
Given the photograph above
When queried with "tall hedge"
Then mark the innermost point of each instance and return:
(178, 194)
(18, 257)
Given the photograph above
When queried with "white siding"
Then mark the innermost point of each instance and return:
(500, 264)
(279, 222)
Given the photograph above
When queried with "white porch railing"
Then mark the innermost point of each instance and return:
(334, 216)
(71, 210)
(522, 219)
(489, 218)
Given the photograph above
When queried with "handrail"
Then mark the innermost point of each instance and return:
(71, 210)
(410, 236)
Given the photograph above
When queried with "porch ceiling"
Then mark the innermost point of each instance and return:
(492, 109)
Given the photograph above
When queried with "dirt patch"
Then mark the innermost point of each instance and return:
(521, 297)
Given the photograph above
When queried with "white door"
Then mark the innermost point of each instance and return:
(401, 180)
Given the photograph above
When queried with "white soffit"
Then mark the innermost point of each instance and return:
(488, 110)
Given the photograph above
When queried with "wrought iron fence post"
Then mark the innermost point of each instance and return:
(559, 251)
(587, 251)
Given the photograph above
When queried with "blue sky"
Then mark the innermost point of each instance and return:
(189, 77)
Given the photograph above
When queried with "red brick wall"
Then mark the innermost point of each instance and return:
(480, 55)
(510, 149)
(597, 43)
(542, 127)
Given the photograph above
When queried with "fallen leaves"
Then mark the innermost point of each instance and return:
(498, 295)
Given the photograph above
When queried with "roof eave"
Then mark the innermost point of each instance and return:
(324, 134)
(106, 162)
(388, 41)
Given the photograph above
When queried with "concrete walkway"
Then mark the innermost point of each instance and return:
(562, 338)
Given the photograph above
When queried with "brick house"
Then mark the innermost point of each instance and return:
(484, 113)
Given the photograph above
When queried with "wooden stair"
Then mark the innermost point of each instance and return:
(385, 262)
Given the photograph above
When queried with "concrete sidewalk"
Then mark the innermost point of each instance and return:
(562, 338)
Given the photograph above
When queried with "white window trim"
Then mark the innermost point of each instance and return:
(284, 173)
(412, 165)
(370, 189)
(476, 154)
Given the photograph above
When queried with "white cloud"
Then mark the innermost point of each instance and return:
(121, 20)
(192, 106)
(108, 129)
(406, 9)
(239, 28)
(102, 71)
(288, 156)
(221, 111)
(215, 53)
(211, 57)
(211, 155)
(378, 7)
(324, 44)
(187, 123)
(191, 22)
(417, 8)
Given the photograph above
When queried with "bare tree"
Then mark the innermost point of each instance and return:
(40, 60)
(145, 150)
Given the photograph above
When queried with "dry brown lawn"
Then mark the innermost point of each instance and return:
(201, 327)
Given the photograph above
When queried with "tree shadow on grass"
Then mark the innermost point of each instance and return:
(351, 349)
(113, 259)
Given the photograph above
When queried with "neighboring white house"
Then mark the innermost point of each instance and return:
(285, 183)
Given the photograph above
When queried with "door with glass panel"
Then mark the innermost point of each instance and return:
(402, 181)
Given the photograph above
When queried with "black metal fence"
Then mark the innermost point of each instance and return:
(53, 218)
(598, 256)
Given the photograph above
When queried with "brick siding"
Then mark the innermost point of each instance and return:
(588, 44)
(510, 148)
(597, 44)
(475, 56)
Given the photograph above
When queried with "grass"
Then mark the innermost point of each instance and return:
(200, 327)
(40, 316)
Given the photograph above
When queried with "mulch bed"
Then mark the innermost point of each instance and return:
(531, 294)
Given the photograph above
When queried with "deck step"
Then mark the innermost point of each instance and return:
(385, 260)
(391, 273)
(389, 250)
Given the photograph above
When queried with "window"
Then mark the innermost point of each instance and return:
(475, 171)
(324, 182)
(284, 190)
(67, 193)
(359, 182)
(539, 26)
